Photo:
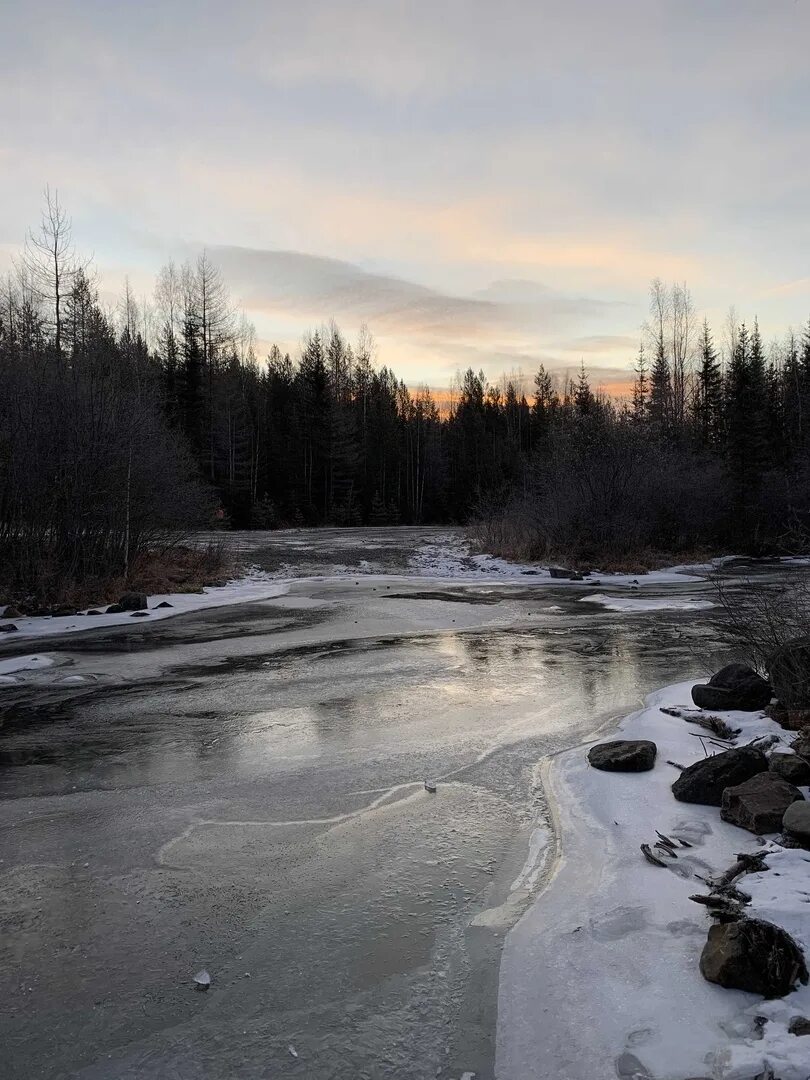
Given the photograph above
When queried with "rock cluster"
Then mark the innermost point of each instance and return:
(706, 780)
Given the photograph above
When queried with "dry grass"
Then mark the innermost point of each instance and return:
(174, 569)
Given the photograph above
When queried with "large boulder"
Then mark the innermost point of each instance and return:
(759, 804)
(735, 686)
(623, 755)
(706, 780)
(790, 767)
(796, 822)
(789, 673)
(801, 744)
(753, 955)
(132, 601)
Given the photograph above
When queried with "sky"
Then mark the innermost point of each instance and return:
(484, 185)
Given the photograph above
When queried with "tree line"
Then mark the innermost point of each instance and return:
(119, 427)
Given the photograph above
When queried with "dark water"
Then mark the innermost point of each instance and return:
(241, 790)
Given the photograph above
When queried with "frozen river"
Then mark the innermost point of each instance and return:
(241, 789)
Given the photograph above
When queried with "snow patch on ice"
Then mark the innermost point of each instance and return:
(631, 603)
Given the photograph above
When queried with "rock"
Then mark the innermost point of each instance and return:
(8, 628)
(789, 719)
(753, 955)
(799, 1025)
(801, 744)
(789, 672)
(62, 612)
(133, 601)
(706, 780)
(735, 686)
(164, 603)
(759, 804)
(623, 755)
(790, 767)
(11, 613)
(92, 611)
(114, 609)
(796, 822)
(565, 575)
(139, 615)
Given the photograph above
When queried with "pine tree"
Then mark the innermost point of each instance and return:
(640, 387)
(709, 392)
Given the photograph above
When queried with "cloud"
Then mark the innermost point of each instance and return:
(507, 314)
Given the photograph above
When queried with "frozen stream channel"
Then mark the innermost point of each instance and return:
(241, 789)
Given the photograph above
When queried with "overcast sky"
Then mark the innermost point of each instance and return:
(483, 184)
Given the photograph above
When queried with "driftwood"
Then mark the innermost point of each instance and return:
(719, 906)
(675, 765)
(715, 724)
(665, 839)
(648, 855)
(745, 864)
(665, 849)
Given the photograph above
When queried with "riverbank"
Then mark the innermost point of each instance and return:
(601, 976)
(274, 561)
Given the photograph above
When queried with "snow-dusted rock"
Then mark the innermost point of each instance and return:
(790, 767)
(623, 755)
(759, 804)
(706, 780)
(753, 955)
(801, 744)
(735, 686)
(796, 822)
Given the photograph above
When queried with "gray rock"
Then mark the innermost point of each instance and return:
(706, 780)
(8, 628)
(753, 955)
(139, 615)
(735, 686)
(796, 822)
(799, 1025)
(562, 574)
(801, 744)
(790, 767)
(164, 603)
(623, 755)
(789, 672)
(114, 609)
(759, 804)
(132, 601)
(12, 612)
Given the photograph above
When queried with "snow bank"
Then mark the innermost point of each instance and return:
(255, 585)
(600, 977)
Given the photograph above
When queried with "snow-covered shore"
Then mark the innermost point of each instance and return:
(600, 978)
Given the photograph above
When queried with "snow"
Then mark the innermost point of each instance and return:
(254, 585)
(665, 603)
(22, 663)
(451, 556)
(600, 977)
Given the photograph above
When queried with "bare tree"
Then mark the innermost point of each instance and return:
(50, 262)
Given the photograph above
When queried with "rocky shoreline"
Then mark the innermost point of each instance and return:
(672, 943)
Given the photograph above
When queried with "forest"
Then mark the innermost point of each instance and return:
(122, 429)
